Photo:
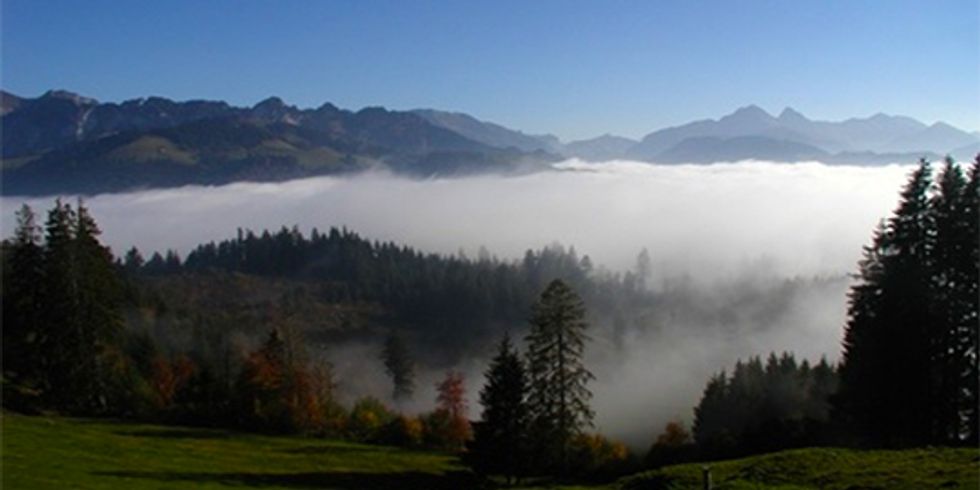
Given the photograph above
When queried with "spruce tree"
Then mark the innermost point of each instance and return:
(400, 366)
(99, 320)
(909, 367)
(558, 396)
(22, 300)
(500, 444)
(59, 359)
(952, 281)
(969, 326)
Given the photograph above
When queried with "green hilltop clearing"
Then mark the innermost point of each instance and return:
(43, 452)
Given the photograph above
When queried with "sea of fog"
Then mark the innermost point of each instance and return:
(720, 227)
(700, 220)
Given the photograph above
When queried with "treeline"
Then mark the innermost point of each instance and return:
(434, 296)
(760, 407)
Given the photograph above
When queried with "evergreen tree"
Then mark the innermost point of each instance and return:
(500, 444)
(711, 433)
(951, 284)
(886, 374)
(558, 397)
(400, 366)
(99, 319)
(969, 323)
(60, 357)
(763, 408)
(23, 300)
(908, 373)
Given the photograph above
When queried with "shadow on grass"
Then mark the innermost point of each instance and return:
(333, 449)
(409, 480)
(177, 433)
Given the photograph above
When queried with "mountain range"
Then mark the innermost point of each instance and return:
(61, 142)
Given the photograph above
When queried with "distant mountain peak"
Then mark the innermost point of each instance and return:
(943, 126)
(66, 95)
(751, 110)
(790, 114)
(327, 107)
(273, 108)
(749, 113)
(270, 102)
(9, 102)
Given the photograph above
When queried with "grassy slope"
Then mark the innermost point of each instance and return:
(41, 453)
(827, 468)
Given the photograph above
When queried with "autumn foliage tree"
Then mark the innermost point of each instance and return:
(168, 377)
(448, 426)
(673, 445)
(279, 391)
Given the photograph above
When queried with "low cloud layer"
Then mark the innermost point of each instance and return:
(797, 219)
(713, 229)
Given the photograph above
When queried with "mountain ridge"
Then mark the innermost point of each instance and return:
(62, 141)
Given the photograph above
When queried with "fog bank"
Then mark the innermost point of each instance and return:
(702, 220)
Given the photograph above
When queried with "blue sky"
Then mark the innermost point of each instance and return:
(575, 69)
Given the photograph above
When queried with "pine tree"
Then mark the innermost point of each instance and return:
(954, 308)
(60, 357)
(558, 397)
(709, 429)
(22, 300)
(399, 365)
(969, 325)
(500, 444)
(897, 344)
(99, 320)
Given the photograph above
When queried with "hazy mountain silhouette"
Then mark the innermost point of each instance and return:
(65, 142)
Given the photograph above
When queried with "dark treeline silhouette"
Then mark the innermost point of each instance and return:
(61, 314)
(453, 302)
(762, 406)
(909, 371)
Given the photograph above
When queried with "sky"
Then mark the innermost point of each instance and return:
(574, 69)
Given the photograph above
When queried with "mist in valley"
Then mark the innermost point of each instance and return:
(745, 258)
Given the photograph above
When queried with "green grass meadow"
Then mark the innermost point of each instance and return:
(57, 453)
(826, 469)
(60, 453)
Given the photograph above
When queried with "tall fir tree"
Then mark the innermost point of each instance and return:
(399, 366)
(969, 294)
(558, 394)
(60, 360)
(22, 300)
(99, 319)
(500, 444)
(886, 378)
(908, 371)
(952, 281)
